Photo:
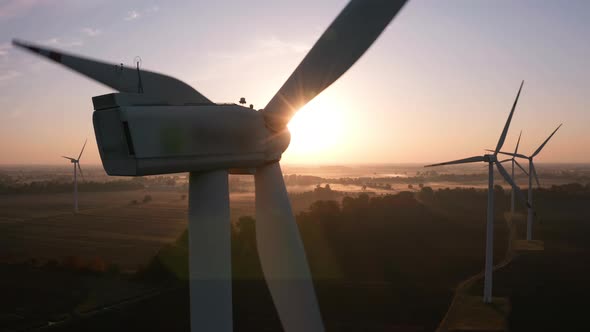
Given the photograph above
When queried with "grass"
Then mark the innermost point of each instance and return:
(546, 288)
(532, 245)
(470, 313)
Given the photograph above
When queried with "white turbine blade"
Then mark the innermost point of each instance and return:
(459, 161)
(535, 174)
(282, 255)
(521, 168)
(508, 179)
(518, 142)
(83, 146)
(547, 140)
(505, 160)
(121, 78)
(209, 234)
(507, 125)
(68, 158)
(348, 37)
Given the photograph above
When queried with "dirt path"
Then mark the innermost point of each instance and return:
(463, 286)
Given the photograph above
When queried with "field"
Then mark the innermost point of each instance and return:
(108, 226)
(391, 265)
(548, 289)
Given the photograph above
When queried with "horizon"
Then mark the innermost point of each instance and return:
(287, 164)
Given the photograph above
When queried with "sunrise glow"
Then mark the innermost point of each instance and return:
(317, 128)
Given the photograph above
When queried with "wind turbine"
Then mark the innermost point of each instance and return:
(157, 124)
(532, 172)
(76, 162)
(513, 161)
(492, 160)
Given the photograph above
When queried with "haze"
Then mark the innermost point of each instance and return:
(438, 83)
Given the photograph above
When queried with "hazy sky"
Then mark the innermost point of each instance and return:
(437, 85)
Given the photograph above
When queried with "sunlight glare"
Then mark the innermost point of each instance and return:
(318, 127)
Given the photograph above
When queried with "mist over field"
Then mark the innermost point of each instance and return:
(386, 244)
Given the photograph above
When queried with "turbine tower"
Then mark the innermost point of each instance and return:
(513, 161)
(532, 172)
(76, 163)
(492, 160)
(157, 124)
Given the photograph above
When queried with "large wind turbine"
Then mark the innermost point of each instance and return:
(76, 163)
(532, 172)
(492, 160)
(158, 124)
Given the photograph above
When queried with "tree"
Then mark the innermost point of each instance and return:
(426, 194)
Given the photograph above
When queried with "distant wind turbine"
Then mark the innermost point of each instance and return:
(492, 160)
(513, 159)
(532, 172)
(76, 162)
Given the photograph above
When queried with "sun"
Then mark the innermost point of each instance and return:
(317, 128)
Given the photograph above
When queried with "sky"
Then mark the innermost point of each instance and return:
(437, 85)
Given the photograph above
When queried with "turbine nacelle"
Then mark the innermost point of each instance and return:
(139, 135)
(490, 158)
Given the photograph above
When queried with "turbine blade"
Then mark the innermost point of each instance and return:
(518, 142)
(80, 169)
(547, 140)
(459, 161)
(83, 146)
(282, 255)
(535, 174)
(511, 154)
(71, 159)
(508, 179)
(348, 37)
(121, 78)
(522, 168)
(505, 160)
(507, 125)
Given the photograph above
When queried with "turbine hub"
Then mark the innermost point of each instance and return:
(490, 158)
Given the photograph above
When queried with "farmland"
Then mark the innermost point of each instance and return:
(384, 260)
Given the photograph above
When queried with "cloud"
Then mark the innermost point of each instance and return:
(57, 42)
(4, 47)
(152, 9)
(275, 46)
(136, 14)
(14, 113)
(132, 15)
(12, 8)
(269, 47)
(90, 32)
(8, 75)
